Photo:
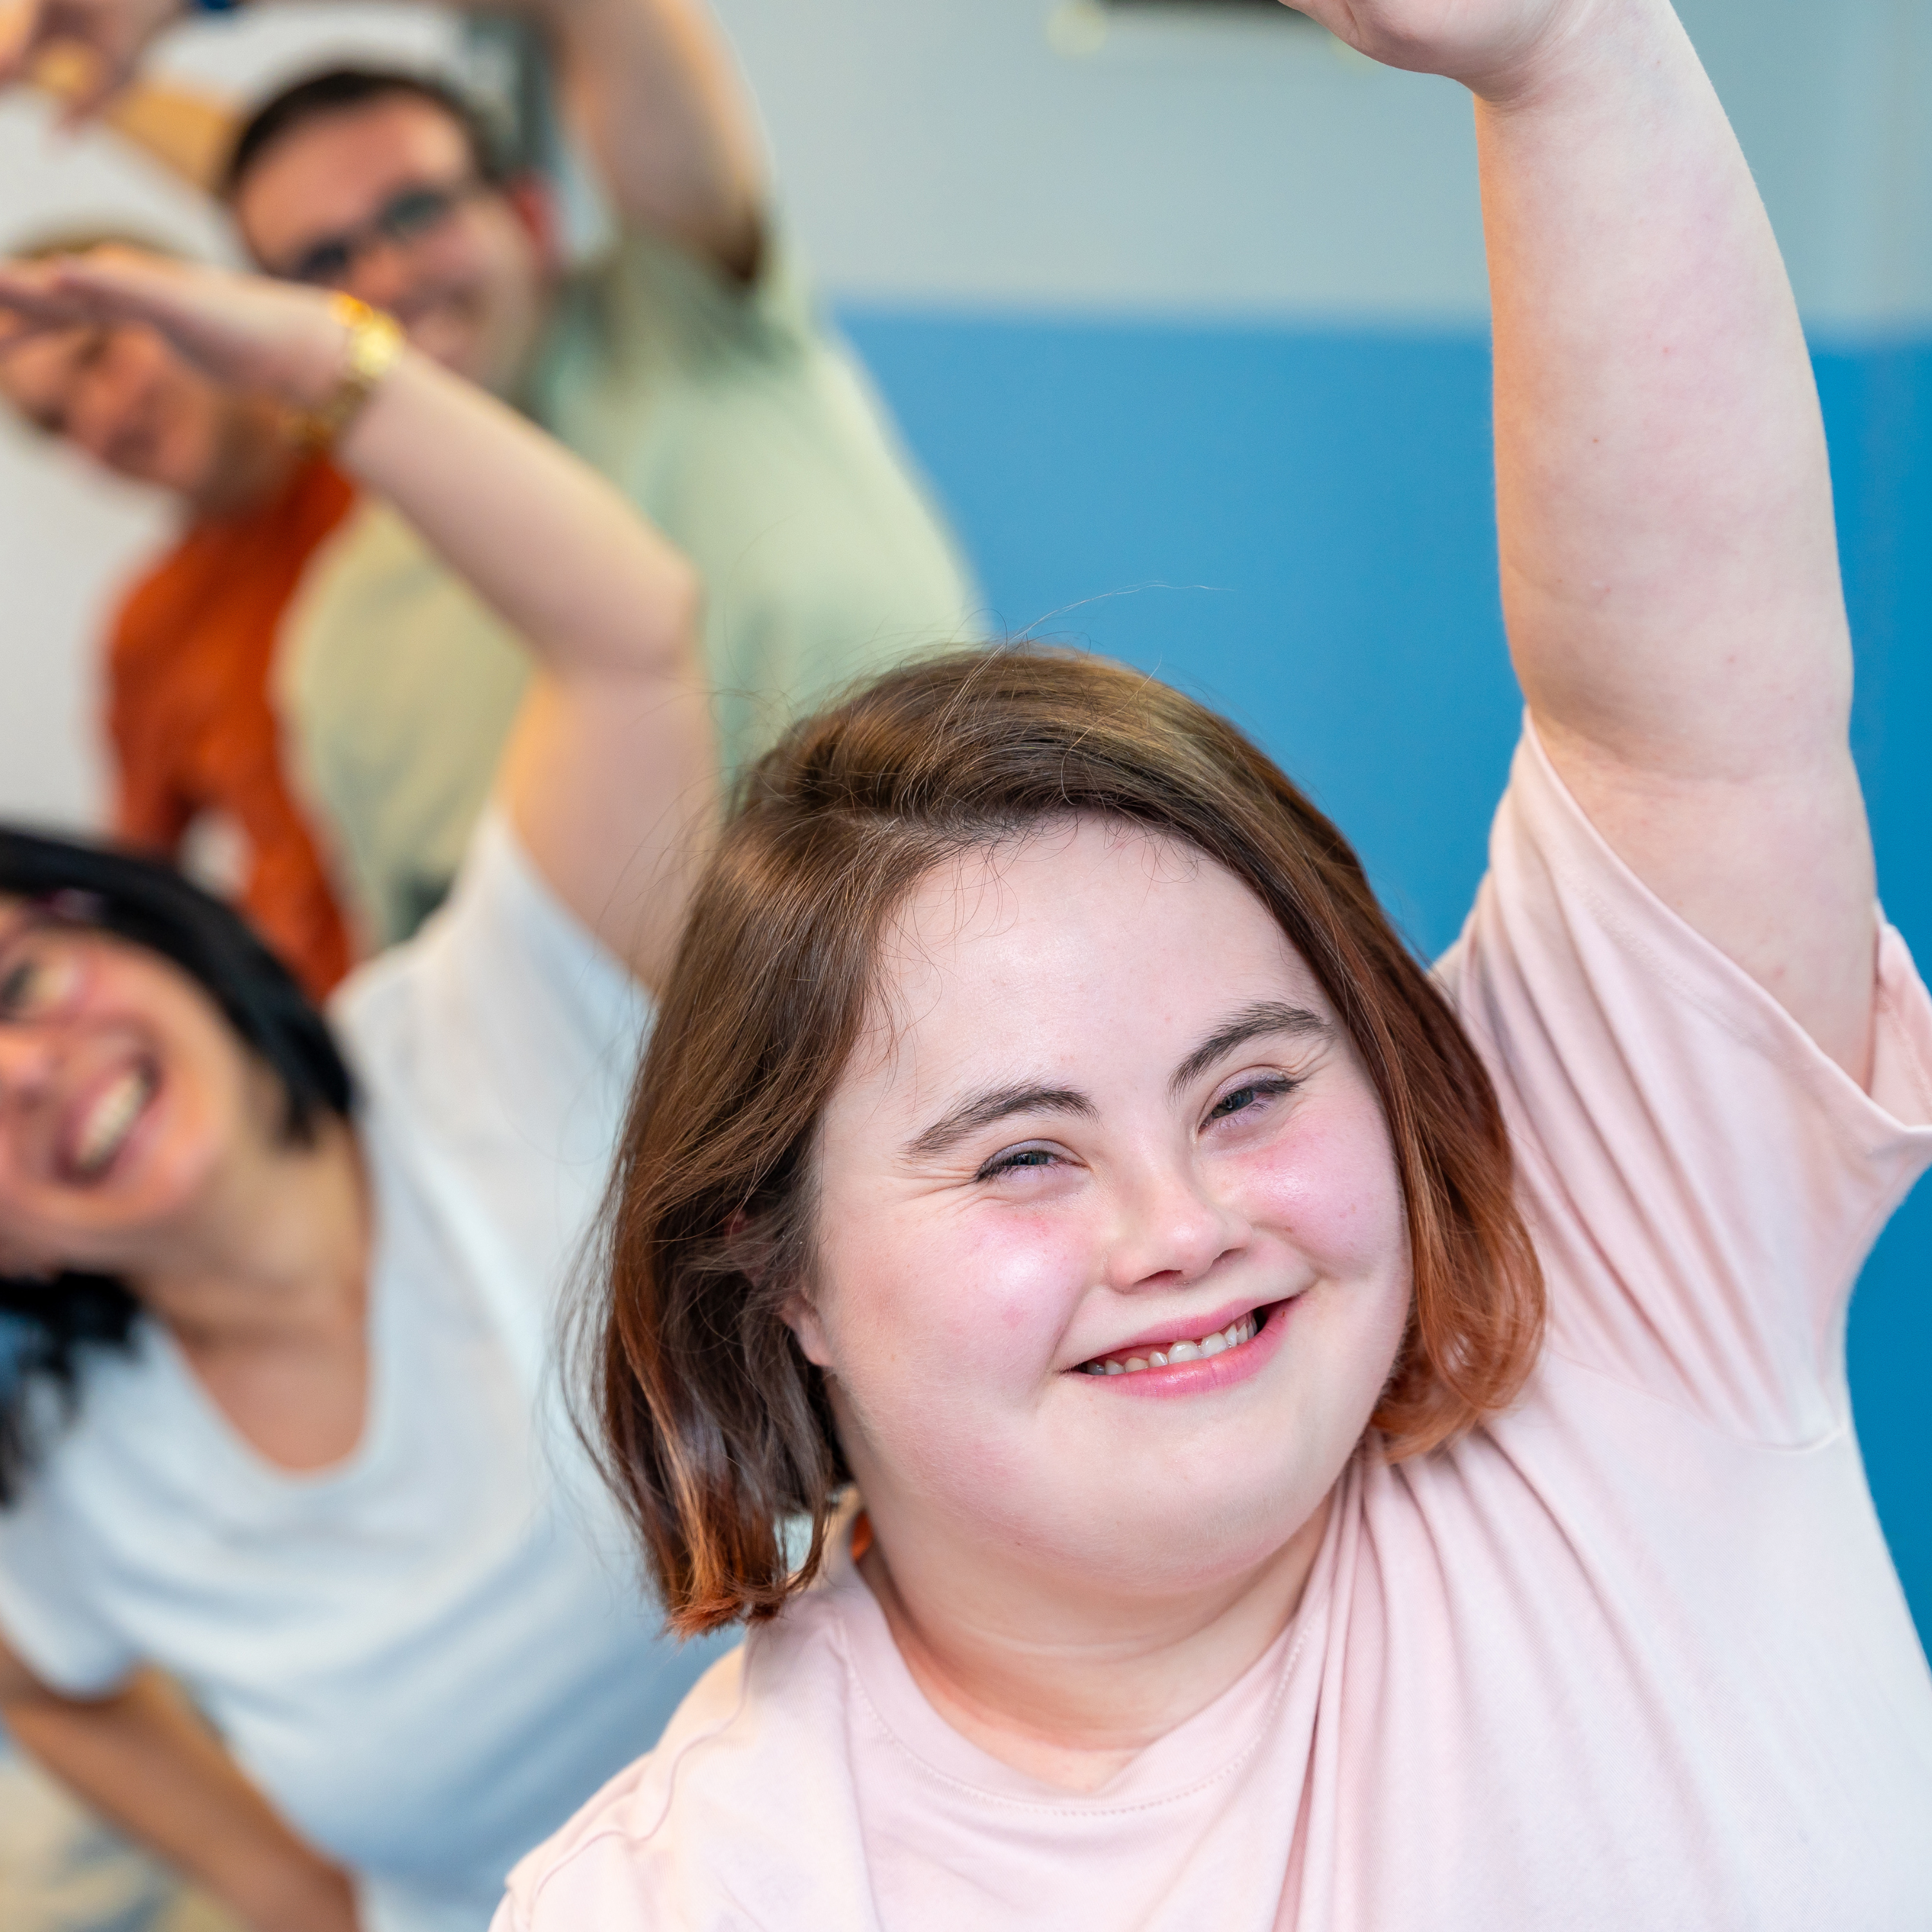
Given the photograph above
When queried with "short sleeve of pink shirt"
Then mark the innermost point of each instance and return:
(1634, 1655)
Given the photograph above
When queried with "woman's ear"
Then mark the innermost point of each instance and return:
(754, 1257)
(798, 1314)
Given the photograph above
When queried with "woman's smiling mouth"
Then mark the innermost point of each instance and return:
(1193, 1365)
(105, 1124)
(1138, 1361)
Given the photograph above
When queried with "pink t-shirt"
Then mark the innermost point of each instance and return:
(1632, 1658)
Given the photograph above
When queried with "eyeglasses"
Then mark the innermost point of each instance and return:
(405, 218)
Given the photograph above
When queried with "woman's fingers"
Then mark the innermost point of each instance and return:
(29, 293)
(122, 277)
(73, 290)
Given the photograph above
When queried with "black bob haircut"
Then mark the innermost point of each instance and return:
(343, 88)
(148, 904)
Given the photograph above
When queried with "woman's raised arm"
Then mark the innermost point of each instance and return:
(610, 775)
(1669, 568)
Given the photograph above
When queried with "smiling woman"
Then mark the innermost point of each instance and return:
(63, 906)
(968, 769)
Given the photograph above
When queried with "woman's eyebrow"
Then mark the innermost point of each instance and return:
(983, 1109)
(1265, 1016)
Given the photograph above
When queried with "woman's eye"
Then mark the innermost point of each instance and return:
(1241, 1100)
(1020, 1159)
(30, 986)
(17, 983)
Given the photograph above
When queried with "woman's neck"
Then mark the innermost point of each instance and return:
(266, 1294)
(1071, 1694)
(276, 1248)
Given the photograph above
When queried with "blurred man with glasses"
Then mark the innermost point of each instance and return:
(393, 188)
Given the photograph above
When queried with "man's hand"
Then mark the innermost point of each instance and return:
(1496, 48)
(104, 40)
(264, 337)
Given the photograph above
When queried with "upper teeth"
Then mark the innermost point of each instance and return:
(109, 1120)
(1231, 1336)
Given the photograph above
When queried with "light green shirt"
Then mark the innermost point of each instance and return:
(750, 436)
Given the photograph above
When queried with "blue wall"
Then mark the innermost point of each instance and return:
(1298, 526)
(1878, 408)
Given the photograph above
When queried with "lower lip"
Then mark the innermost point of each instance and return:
(1231, 1366)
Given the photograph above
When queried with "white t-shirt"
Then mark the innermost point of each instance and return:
(430, 1654)
(1633, 1658)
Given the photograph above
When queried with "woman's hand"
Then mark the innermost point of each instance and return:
(113, 35)
(310, 1896)
(142, 1757)
(264, 337)
(1496, 48)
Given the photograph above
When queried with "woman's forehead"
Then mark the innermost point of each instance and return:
(1094, 940)
(1070, 883)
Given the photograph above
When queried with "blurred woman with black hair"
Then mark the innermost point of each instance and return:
(283, 1286)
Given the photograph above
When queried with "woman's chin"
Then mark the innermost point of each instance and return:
(1183, 1546)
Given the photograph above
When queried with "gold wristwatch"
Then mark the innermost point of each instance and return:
(376, 342)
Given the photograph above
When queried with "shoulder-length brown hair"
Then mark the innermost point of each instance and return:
(712, 1426)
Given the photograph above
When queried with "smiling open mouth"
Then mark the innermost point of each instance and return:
(1138, 1361)
(104, 1130)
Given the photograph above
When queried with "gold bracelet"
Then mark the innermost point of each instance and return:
(376, 344)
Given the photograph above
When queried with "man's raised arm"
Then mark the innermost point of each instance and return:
(652, 88)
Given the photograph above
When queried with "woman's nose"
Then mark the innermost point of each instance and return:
(1171, 1228)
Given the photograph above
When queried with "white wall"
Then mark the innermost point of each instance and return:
(945, 151)
(988, 155)
(951, 153)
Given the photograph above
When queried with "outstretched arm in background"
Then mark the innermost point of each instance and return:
(610, 776)
(1669, 566)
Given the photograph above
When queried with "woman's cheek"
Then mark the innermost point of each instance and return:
(1018, 1274)
(978, 1300)
(1330, 1187)
(940, 1355)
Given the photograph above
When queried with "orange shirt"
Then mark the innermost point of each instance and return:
(194, 727)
